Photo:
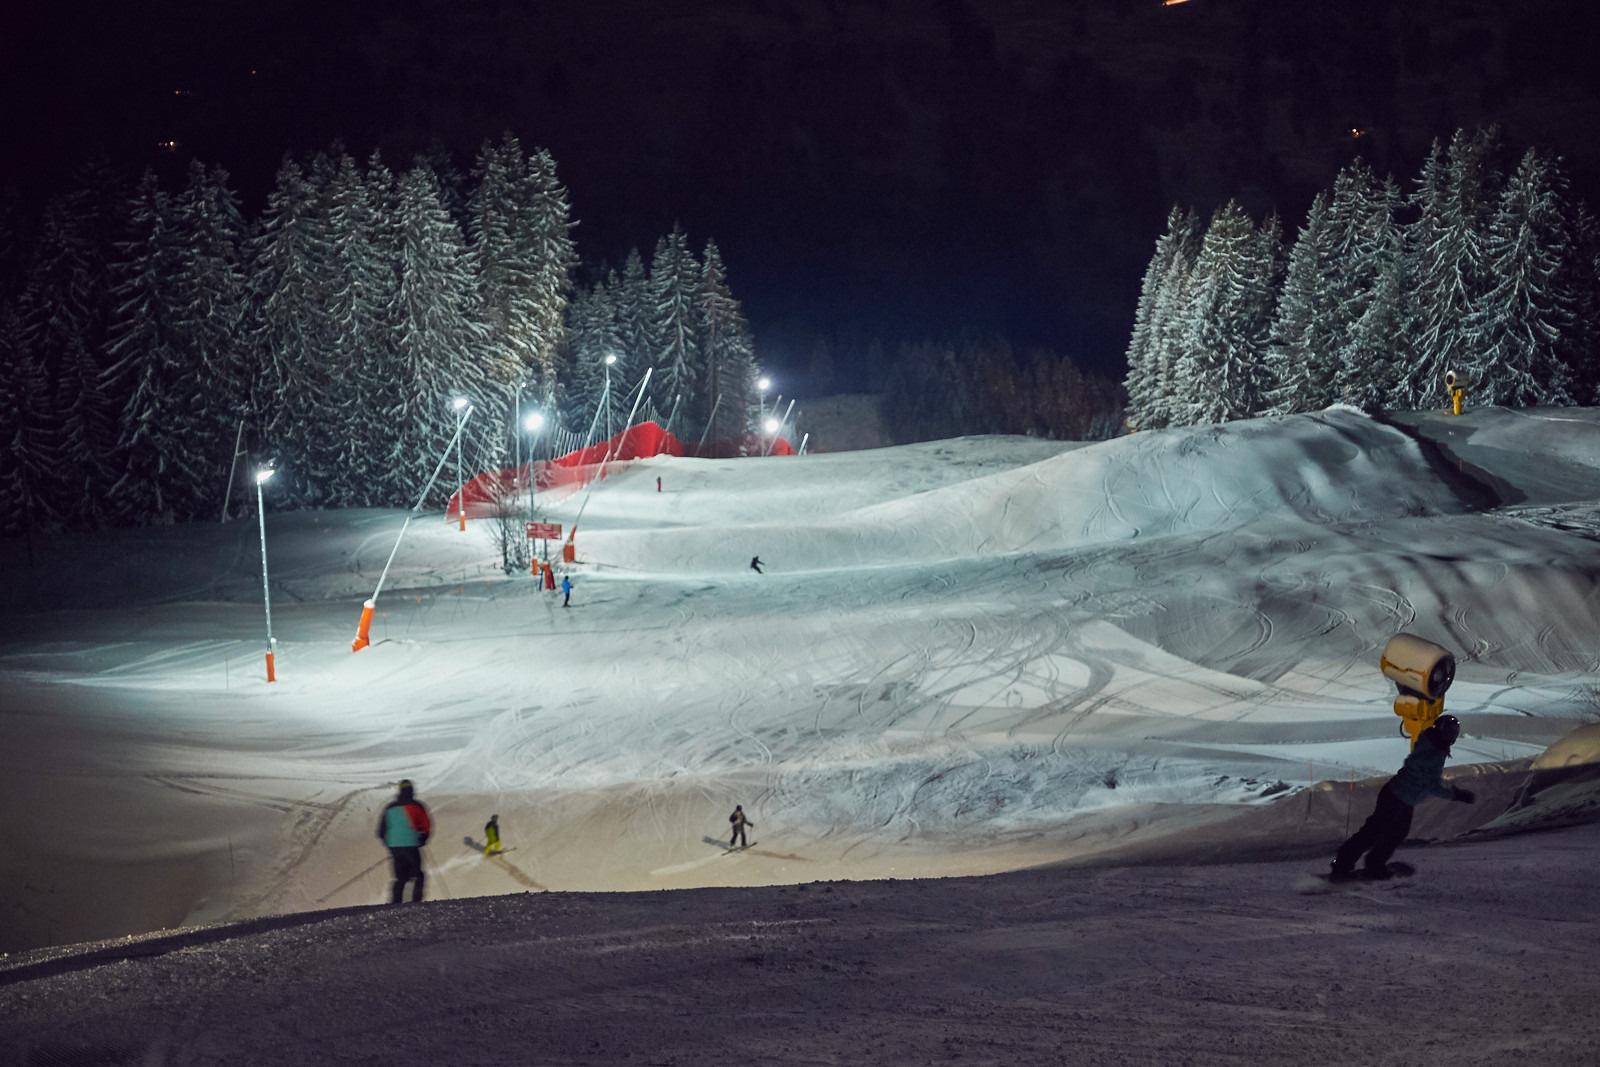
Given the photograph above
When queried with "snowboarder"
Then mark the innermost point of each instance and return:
(739, 823)
(755, 564)
(404, 826)
(566, 591)
(1421, 776)
(491, 837)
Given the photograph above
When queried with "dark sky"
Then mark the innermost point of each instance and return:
(891, 169)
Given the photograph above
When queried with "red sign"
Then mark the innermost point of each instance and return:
(550, 531)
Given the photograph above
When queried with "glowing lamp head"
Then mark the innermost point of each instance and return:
(533, 422)
(611, 360)
(772, 425)
(263, 475)
(459, 402)
(764, 384)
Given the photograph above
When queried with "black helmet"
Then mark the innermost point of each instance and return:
(1449, 728)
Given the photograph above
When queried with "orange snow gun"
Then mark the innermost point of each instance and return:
(1422, 671)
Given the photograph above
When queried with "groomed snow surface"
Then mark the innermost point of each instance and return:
(966, 657)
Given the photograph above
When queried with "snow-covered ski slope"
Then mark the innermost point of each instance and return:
(965, 656)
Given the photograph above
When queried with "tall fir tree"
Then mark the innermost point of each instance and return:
(1294, 381)
(1454, 202)
(592, 336)
(209, 295)
(1522, 319)
(439, 336)
(27, 452)
(162, 479)
(299, 379)
(728, 390)
(674, 281)
(1169, 328)
(1221, 368)
(1144, 373)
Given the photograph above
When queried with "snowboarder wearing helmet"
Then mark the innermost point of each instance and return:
(1421, 776)
(404, 826)
(738, 821)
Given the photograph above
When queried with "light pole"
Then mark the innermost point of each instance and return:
(266, 590)
(610, 359)
(460, 404)
(763, 383)
(532, 424)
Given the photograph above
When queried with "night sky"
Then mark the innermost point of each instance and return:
(889, 169)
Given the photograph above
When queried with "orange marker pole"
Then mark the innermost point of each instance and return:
(364, 627)
(272, 675)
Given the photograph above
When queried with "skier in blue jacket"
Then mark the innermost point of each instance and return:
(1420, 777)
(566, 591)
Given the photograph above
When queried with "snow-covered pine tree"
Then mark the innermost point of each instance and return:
(1293, 379)
(674, 281)
(27, 452)
(1380, 345)
(209, 294)
(548, 236)
(1455, 199)
(1269, 267)
(1227, 326)
(730, 364)
(1349, 271)
(162, 479)
(1583, 279)
(300, 378)
(506, 258)
(1169, 327)
(382, 382)
(592, 336)
(64, 305)
(630, 296)
(1142, 380)
(1520, 322)
(440, 338)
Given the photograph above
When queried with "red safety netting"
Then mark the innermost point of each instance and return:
(568, 473)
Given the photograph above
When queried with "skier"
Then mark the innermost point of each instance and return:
(739, 822)
(566, 591)
(1421, 776)
(755, 564)
(658, 483)
(491, 837)
(404, 827)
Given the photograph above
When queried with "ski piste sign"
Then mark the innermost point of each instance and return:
(549, 531)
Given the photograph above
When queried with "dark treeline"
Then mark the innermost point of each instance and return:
(1487, 267)
(933, 391)
(145, 330)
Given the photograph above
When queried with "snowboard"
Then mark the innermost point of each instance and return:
(740, 848)
(1322, 883)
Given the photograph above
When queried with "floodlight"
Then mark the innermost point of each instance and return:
(533, 422)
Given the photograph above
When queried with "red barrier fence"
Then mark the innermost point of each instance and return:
(568, 473)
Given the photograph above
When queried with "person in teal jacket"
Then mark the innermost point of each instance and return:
(404, 826)
(1420, 777)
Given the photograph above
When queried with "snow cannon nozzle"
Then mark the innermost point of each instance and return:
(1422, 671)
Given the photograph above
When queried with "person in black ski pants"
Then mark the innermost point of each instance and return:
(404, 826)
(1421, 776)
(739, 822)
(755, 564)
